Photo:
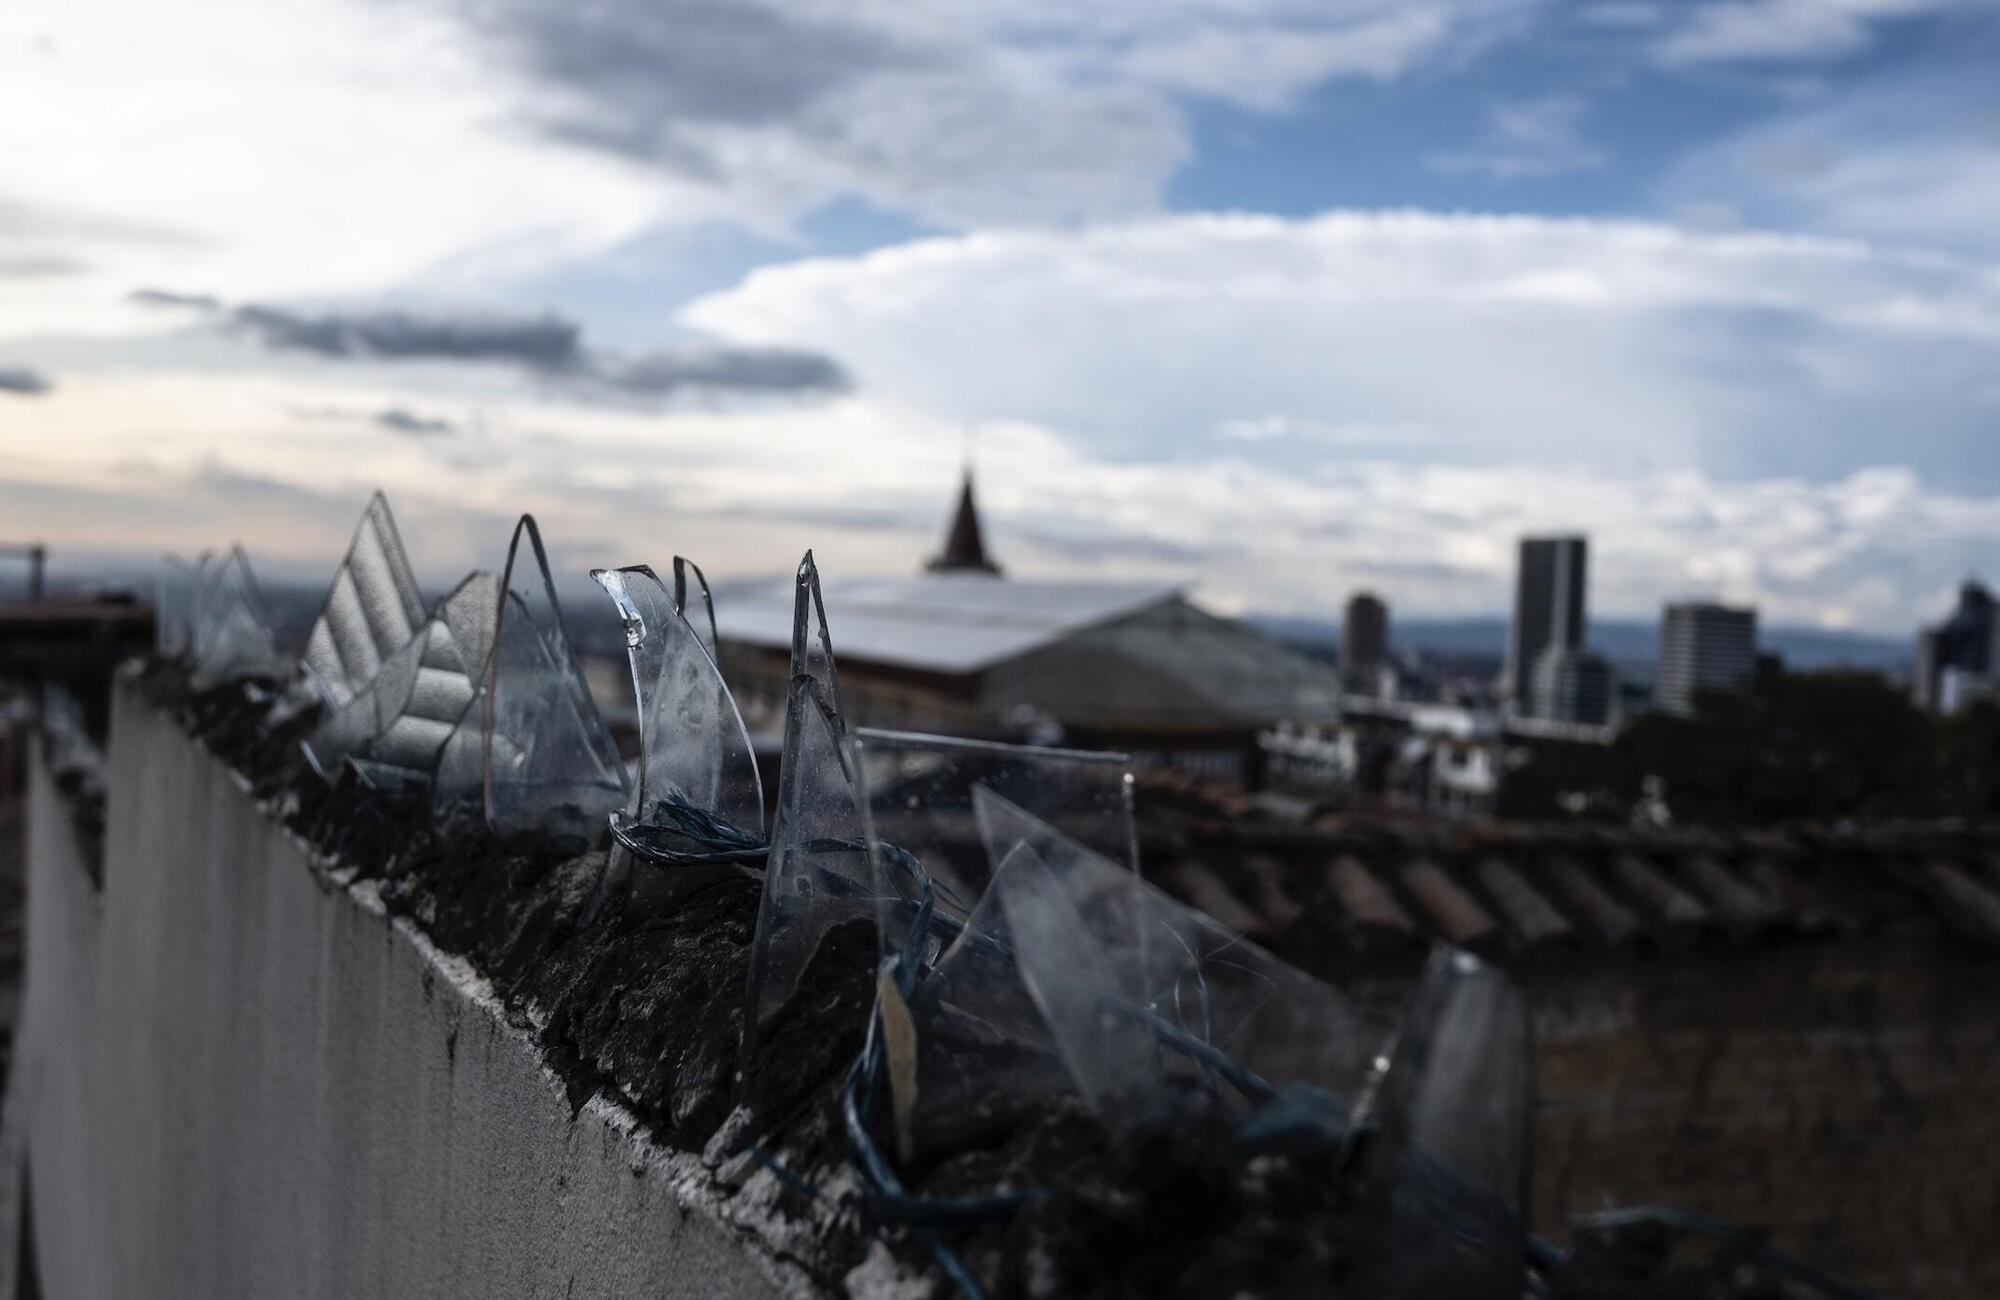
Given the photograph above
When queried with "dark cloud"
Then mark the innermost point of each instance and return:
(399, 420)
(548, 345)
(960, 118)
(640, 73)
(24, 382)
(547, 341)
(768, 370)
(167, 298)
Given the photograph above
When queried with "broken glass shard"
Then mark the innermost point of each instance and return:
(985, 1056)
(1155, 1007)
(531, 751)
(817, 874)
(173, 606)
(704, 624)
(1445, 1159)
(923, 834)
(372, 609)
(229, 629)
(400, 721)
(693, 747)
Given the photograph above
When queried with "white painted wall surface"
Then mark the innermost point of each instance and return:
(238, 1078)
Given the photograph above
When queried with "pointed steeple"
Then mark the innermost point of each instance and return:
(964, 544)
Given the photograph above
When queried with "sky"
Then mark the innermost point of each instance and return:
(1274, 298)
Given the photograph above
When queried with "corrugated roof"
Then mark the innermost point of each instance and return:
(934, 622)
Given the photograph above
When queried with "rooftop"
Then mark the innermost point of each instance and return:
(942, 622)
(1273, 868)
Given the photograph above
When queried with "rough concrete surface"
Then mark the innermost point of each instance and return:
(238, 1076)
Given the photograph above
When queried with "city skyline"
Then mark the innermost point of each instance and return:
(1274, 302)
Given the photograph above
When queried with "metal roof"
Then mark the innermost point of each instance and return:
(935, 622)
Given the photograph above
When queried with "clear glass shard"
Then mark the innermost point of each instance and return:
(918, 797)
(458, 783)
(1152, 1005)
(817, 874)
(693, 745)
(812, 645)
(400, 721)
(1089, 1007)
(704, 623)
(372, 609)
(1446, 1158)
(229, 629)
(531, 751)
(173, 605)
(985, 1058)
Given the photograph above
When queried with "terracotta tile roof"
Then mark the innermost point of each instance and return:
(1387, 886)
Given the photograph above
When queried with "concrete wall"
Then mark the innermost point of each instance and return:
(237, 1077)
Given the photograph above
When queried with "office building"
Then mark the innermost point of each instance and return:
(1704, 649)
(1959, 659)
(1364, 643)
(1548, 610)
(1572, 684)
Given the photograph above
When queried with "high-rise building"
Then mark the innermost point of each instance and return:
(1704, 648)
(1955, 656)
(1364, 642)
(1548, 610)
(1571, 684)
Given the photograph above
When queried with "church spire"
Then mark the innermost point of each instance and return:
(964, 545)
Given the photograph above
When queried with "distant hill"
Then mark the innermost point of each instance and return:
(1625, 641)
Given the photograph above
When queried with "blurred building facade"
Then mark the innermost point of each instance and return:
(1573, 685)
(1958, 660)
(1364, 643)
(959, 650)
(1704, 648)
(1549, 586)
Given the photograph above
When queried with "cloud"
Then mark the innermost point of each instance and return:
(957, 114)
(34, 266)
(1527, 139)
(548, 347)
(204, 302)
(332, 141)
(546, 341)
(1270, 428)
(1786, 30)
(1912, 159)
(22, 381)
(868, 482)
(752, 369)
(396, 419)
(1612, 346)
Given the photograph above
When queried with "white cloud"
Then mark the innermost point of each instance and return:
(258, 150)
(347, 148)
(1914, 160)
(960, 112)
(1270, 428)
(1273, 410)
(868, 485)
(1526, 139)
(1787, 30)
(1614, 346)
